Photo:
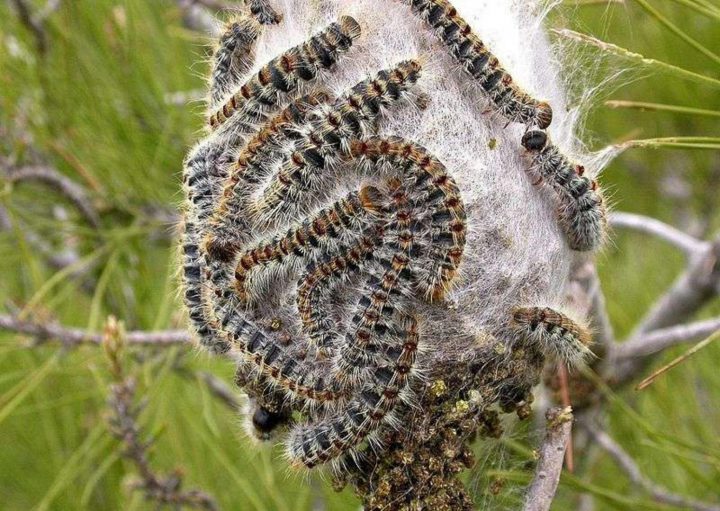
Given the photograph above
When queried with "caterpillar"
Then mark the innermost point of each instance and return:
(553, 333)
(478, 62)
(282, 74)
(354, 114)
(581, 208)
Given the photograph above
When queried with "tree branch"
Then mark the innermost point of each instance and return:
(197, 17)
(658, 493)
(123, 420)
(648, 225)
(72, 337)
(66, 186)
(54, 258)
(690, 292)
(658, 340)
(552, 453)
(586, 296)
(35, 23)
(215, 385)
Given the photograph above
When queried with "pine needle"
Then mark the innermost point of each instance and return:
(679, 360)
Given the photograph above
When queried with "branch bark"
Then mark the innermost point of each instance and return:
(688, 244)
(216, 386)
(691, 291)
(73, 337)
(552, 453)
(688, 294)
(159, 488)
(66, 186)
(658, 340)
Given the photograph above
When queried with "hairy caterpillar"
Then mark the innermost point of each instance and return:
(554, 333)
(349, 118)
(581, 209)
(301, 63)
(469, 51)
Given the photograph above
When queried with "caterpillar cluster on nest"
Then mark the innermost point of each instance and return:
(346, 247)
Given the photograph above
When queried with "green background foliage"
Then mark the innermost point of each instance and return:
(95, 107)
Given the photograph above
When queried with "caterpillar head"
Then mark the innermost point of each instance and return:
(535, 140)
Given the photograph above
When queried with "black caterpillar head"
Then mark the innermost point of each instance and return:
(265, 422)
(534, 140)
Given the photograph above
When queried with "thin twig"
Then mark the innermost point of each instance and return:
(63, 184)
(658, 107)
(693, 289)
(565, 401)
(659, 340)
(218, 5)
(585, 294)
(318, 497)
(33, 23)
(73, 337)
(583, 3)
(672, 27)
(600, 318)
(165, 490)
(685, 242)
(547, 475)
(5, 223)
(59, 259)
(636, 58)
(658, 493)
(215, 385)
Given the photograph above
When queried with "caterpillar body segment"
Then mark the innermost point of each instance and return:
(194, 284)
(253, 161)
(470, 52)
(581, 209)
(233, 58)
(263, 12)
(436, 198)
(229, 224)
(198, 179)
(312, 380)
(553, 333)
(235, 52)
(351, 117)
(284, 73)
(311, 445)
(319, 279)
(201, 174)
(320, 50)
(354, 213)
(363, 347)
(273, 360)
